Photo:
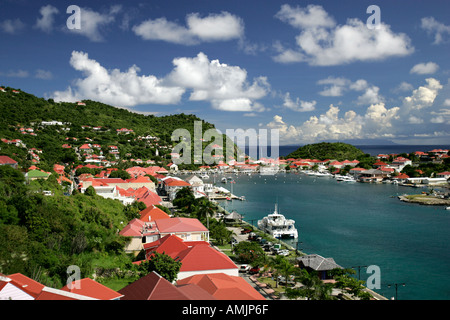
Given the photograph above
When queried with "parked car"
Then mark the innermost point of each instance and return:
(254, 270)
(244, 268)
(234, 241)
(282, 280)
(253, 236)
(245, 231)
(283, 252)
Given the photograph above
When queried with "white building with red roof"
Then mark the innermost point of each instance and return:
(195, 257)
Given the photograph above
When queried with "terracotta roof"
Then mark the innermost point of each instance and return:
(169, 244)
(132, 229)
(176, 183)
(139, 179)
(26, 284)
(7, 160)
(152, 287)
(179, 225)
(92, 288)
(152, 213)
(204, 257)
(224, 287)
(401, 176)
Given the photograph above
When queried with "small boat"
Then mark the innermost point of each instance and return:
(448, 208)
(323, 174)
(224, 180)
(345, 178)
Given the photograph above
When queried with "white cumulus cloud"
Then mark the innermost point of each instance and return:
(214, 27)
(323, 43)
(440, 31)
(424, 68)
(378, 121)
(225, 86)
(115, 87)
(298, 105)
(45, 22)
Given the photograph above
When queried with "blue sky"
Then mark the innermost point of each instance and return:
(314, 70)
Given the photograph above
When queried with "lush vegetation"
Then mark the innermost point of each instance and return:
(202, 209)
(25, 110)
(46, 234)
(325, 150)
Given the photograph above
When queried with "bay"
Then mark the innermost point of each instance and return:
(358, 224)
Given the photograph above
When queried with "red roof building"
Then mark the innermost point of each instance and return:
(154, 287)
(19, 287)
(91, 288)
(196, 257)
(188, 229)
(152, 213)
(224, 287)
(5, 160)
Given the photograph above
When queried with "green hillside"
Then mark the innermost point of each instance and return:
(24, 110)
(326, 150)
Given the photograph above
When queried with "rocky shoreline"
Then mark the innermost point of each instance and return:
(425, 200)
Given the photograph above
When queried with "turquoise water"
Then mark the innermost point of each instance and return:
(358, 224)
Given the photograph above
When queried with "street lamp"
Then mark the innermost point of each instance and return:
(396, 287)
(359, 270)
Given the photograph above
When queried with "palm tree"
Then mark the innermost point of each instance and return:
(205, 209)
(286, 269)
(273, 264)
(313, 288)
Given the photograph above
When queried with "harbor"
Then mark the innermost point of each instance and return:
(356, 224)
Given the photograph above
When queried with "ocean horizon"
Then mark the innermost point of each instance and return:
(358, 224)
(373, 150)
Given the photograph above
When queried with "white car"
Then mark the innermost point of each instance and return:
(283, 252)
(244, 268)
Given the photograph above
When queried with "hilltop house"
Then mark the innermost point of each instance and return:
(197, 186)
(7, 161)
(36, 174)
(399, 163)
(154, 225)
(171, 185)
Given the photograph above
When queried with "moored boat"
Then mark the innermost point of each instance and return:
(278, 226)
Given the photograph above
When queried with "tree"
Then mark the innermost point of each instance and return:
(347, 283)
(90, 191)
(122, 174)
(286, 269)
(184, 199)
(310, 289)
(205, 208)
(219, 232)
(162, 264)
(248, 252)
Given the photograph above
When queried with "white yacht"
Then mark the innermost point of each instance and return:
(345, 178)
(278, 226)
